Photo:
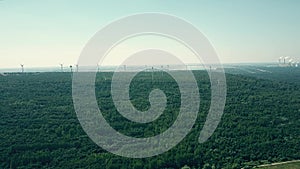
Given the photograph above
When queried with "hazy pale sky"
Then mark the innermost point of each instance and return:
(46, 33)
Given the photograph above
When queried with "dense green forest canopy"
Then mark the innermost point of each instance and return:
(39, 127)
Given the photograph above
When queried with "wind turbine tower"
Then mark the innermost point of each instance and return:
(76, 67)
(22, 68)
(61, 67)
(152, 74)
(71, 68)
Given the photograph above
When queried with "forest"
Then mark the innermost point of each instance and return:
(260, 124)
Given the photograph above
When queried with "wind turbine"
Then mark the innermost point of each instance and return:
(61, 67)
(22, 68)
(71, 68)
(152, 74)
(76, 67)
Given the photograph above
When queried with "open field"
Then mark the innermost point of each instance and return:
(284, 165)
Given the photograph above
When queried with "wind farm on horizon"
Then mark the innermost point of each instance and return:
(283, 61)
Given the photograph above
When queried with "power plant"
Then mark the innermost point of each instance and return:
(287, 61)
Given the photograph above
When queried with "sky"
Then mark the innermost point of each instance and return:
(49, 32)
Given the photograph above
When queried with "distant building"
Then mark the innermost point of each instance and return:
(286, 61)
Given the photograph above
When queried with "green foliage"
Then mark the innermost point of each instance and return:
(39, 128)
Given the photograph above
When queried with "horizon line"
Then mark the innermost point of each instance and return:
(189, 64)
